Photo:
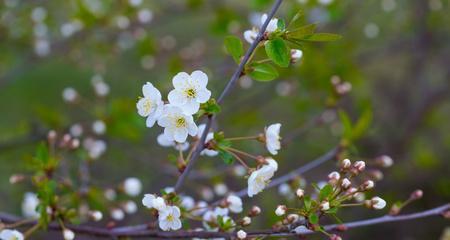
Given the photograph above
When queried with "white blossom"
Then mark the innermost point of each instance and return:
(209, 137)
(152, 201)
(165, 142)
(132, 186)
(385, 161)
(69, 94)
(130, 207)
(241, 234)
(169, 218)
(99, 127)
(190, 91)
(246, 221)
(68, 234)
(346, 163)
(220, 189)
(110, 194)
(145, 15)
(369, 184)
(187, 202)
(301, 229)
(280, 210)
(359, 165)
(200, 208)
(96, 215)
(177, 125)
(8, 234)
(76, 130)
(378, 203)
(296, 54)
(272, 138)
(234, 203)
(324, 206)
(300, 193)
(29, 204)
(261, 177)
(151, 105)
(346, 183)
(117, 214)
(251, 35)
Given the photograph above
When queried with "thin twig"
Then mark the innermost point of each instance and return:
(225, 92)
(134, 232)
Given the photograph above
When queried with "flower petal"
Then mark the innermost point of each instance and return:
(180, 135)
(200, 77)
(177, 98)
(180, 80)
(203, 95)
(190, 107)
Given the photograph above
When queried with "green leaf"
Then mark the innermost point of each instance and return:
(297, 20)
(307, 202)
(42, 154)
(278, 52)
(362, 124)
(313, 218)
(347, 124)
(281, 25)
(263, 72)
(325, 192)
(209, 108)
(226, 157)
(302, 32)
(234, 47)
(322, 37)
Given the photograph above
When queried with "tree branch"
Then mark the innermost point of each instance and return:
(146, 233)
(224, 93)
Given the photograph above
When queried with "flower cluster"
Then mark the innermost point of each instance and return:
(183, 101)
(168, 216)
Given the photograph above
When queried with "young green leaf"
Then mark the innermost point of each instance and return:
(325, 192)
(263, 72)
(234, 47)
(313, 218)
(278, 52)
(302, 32)
(281, 25)
(322, 37)
(307, 202)
(226, 157)
(297, 20)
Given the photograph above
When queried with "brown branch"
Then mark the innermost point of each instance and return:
(134, 232)
(238, 73)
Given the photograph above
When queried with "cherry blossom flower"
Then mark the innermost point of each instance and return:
(169, 218)
(378, 203)
(165, 142)
(272, 138)
(261, 177)
(241, 234)
(117, 214)
(190, 91)
(132, 186)
(296, 55)
(177, 125)
(250, 35)
(69, 94)
(29, 204)
(68, 234)
(151, 105)
(209, 137)
(152, 201)
(234, 203)
(8, 234)
(281, 210)
(187, 202)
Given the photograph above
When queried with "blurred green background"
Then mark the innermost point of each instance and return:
(395, 54)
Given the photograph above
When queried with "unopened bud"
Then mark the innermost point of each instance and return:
(68, 234)
(417, 194)
(324, 206)
(296, 54)
(333, 177)
(96, 215)
(376, 203)
(292, 218)
(359, 166)
(335, 237)
(346, 163)
(346, 183)
(255, 211)
(246, 221)
(241, 234)
(395, 210)
(352, 190)
(369, 184)
(384, 161)
(16, 178)
(281, 210)
(300, 192)
(75, 143)
(376, 174)
(51, 136)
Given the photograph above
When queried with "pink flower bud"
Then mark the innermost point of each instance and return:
(359, 165)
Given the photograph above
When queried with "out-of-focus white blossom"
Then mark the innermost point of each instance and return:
(29, 204)
(296, 55)
(209, 137)
(241, 234)
(117, 214)
(132, 186)
(145, 15)
(234, 203)
(272, 138)
(220, 189)
(69, 94)
(378, 203)
(68, 234)
(99, 127)
(261, 177)
(280, 210)
(130, 207)
(8, 234)
(187, 202)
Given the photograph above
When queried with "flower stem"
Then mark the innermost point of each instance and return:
(241, 152)
(241, 138)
